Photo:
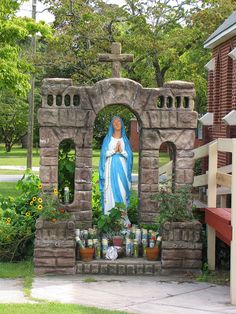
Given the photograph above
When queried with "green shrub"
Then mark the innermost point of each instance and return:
(133, 208)
(17, 219)
(66, 168)
(96, 198)
(174, 206)
(113, 222)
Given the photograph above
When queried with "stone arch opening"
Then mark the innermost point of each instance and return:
(171, 123)
(168, 174)
(66, 171)
(100, 128)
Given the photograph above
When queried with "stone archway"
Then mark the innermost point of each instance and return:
(164, 114)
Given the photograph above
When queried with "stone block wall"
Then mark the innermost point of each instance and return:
(54, 247)
(181, 247)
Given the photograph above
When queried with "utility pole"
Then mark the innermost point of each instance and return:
(31, 97)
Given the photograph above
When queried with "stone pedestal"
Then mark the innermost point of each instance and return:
(54, 249)
(181, 247)
(121, 266)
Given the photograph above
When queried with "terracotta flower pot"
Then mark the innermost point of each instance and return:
(152, 253)
(117, 241)
(86, 254)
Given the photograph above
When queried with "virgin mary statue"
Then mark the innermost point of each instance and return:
(115, 168)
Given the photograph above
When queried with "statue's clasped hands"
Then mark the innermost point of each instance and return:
(118, 148)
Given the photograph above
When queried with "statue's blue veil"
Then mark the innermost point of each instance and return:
(105, 144)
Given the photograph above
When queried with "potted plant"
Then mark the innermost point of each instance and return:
(117, 239)
(181, 248)
(56, 227)
(174, 206)
(153, 252)
(86, 253)
(50, 208)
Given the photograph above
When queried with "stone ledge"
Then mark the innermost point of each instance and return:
(122, 266)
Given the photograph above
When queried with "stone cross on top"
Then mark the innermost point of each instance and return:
(116, 58)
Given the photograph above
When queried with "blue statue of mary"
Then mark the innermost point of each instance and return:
(115, 167)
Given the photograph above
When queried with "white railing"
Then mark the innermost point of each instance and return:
(214, 178)
(166, 170)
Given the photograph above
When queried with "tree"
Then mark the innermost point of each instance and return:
(103, 120)
(82, 33)
(13, 119)
(15, 66)
(165, 36)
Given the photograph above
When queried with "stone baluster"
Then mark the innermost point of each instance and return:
(72, 100)
(191, 104)
(165, 102)
(63, 100)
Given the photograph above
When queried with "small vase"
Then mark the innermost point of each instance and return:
(152, 253)
(86, 254)
(117, 241)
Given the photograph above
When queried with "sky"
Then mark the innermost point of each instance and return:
(45, 15)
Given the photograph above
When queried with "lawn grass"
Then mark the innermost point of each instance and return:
(16, 270)
(52, 308)
(17, 157)
(9, 189)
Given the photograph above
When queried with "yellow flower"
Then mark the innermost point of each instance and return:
(27, 214)
(34, 199)
(8, 221)
(40, 186)
(40, 200)
(40, 206)
(31, 203)
(55, 191)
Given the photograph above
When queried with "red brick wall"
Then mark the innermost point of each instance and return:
(221, 95)
(134, 135)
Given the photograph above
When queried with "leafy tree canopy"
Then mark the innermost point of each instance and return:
(165, 36)
(13, 119)
(15, 66)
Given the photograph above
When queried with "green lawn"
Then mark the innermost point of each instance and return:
(52, 308)
(17, 157)
(16, 270)
(9, 189)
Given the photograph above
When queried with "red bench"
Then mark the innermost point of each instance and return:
(220, 220)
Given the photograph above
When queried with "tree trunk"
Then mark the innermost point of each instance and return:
(8, 147)
(158, 73)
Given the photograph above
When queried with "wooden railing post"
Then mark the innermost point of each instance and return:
(211, 235)
(233, 224)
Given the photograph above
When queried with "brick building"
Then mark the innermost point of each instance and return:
(134, 135)
(220, 120)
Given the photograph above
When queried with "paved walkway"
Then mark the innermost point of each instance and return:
(147, 295)
(11, 291)
(17, 168)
